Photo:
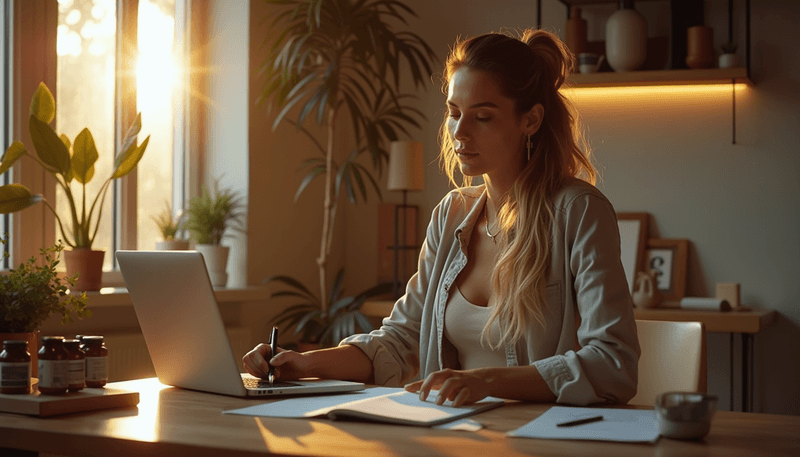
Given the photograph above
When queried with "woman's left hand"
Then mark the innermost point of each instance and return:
(462, 387)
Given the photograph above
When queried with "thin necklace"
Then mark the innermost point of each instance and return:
(486, 215)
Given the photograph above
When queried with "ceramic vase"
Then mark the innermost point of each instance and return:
(575, 32)
(216, 259)
(626, 38)
(646, 293)
(88, 264)
(700, 47)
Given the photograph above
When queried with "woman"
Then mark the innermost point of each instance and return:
(520, 292)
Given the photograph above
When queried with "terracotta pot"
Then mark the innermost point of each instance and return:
(33, 347)
(88, 264)
(700, 47)
(575, 32)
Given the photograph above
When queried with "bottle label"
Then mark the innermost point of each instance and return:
(15, 374)
(53, 373)
(77, 371)
(97, 368)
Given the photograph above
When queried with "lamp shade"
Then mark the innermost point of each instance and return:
(405, 166)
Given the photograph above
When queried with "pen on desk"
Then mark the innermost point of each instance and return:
(587, 420)
(273, 347)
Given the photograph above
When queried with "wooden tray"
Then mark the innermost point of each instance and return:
(37, 404)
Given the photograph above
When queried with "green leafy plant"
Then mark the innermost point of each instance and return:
(325, 325)
(334, 57)
(729, 48)
(168, 224)
(30, 293)
(212, 213)
(69, 163)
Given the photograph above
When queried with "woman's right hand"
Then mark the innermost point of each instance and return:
(288, 364)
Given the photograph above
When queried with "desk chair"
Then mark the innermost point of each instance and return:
(673, 359)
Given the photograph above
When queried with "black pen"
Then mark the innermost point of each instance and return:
(587, 420)
(273, 347)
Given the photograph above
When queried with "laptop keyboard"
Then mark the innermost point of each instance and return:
(253, 383)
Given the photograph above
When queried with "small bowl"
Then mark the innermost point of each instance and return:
(685, 415)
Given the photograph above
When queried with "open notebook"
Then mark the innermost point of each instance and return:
(183, 328)
(378, 404)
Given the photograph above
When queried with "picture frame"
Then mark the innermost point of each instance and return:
(633, 240)
(670, 258)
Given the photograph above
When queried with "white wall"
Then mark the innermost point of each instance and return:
(227, 142)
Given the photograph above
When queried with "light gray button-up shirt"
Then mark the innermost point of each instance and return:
(587, 351)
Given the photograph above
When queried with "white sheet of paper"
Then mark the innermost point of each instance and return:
(624, 425)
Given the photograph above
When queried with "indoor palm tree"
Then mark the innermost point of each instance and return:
(334, 58)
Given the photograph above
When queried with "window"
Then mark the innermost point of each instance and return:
(89, 67)
(98, 47)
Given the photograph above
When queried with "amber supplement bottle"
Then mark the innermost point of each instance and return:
(96, 361)
(53, 366)
(15, 368)
(77, 365)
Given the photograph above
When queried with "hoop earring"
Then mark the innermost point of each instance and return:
(529, 147)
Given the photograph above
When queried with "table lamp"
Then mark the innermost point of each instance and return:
(405, 174)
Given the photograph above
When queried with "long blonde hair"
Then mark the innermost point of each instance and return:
(529, 70)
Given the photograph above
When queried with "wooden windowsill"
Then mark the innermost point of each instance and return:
(118, 296)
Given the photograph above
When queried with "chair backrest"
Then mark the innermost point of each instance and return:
(673, 359)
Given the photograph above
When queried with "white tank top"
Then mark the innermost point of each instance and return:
(463, 324)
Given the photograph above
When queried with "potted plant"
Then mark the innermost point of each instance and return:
(170, 225)
(330, 57)
(729, 58)
(70, 163)
(210, 215)
(30, 293)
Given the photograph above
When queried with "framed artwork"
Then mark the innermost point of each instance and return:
(633, 238)
(669, 257)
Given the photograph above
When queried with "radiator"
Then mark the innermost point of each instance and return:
(128, 357)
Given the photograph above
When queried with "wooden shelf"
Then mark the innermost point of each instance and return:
(660, 78)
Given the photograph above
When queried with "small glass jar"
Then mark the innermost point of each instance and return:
(53, 366)
(77, 365)
(15, 368)
(96, 361)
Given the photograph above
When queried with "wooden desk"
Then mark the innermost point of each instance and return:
(171, 422)
(746, 323)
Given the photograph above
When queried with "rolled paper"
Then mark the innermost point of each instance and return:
(705, 304)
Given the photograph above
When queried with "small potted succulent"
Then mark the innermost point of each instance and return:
(729, 58)
(170, 226)
(210, 215)
(30, 293)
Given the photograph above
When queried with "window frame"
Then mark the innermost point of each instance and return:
(33, 28)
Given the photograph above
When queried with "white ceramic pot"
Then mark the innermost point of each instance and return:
(216, 258)
(626, 39)
(172, 245)
(729, 60)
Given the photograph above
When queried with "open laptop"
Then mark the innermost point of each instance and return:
(183, 328)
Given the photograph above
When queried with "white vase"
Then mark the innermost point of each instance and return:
(172, 245)
(626, 38)
(729, 60)
(216, 258)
